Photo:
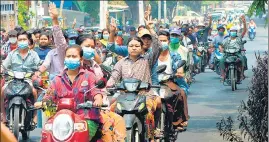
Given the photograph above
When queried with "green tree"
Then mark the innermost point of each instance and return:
(24, 14)
(258, 7)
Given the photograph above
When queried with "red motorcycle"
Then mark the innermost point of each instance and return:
(66, 125)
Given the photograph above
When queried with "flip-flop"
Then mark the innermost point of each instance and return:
(184, 124)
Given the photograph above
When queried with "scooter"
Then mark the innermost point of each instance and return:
(132, 107)
(217, 56)
(18, 103)
(202, 53)
(170, 98)
(66, 125)
(251, 33)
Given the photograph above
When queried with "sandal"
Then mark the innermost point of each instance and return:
(158, 134)
(184, 124)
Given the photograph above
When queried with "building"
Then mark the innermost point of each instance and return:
(8, 14)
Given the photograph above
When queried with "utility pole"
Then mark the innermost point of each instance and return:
(165, 11)
(33, 7)
(16, 12)
(102, 14)
(141, 12)
(159, 10)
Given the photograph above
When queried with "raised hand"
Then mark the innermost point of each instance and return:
(113, 25)
(53, 11)
(148, 18)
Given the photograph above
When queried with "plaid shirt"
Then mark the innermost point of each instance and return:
(127, 68)
(61, 87)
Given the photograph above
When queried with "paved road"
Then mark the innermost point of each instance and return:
(209, 100)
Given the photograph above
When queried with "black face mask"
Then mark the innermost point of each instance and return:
(43, 47)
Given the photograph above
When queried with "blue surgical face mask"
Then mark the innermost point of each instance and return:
(233, 34)
(221, 33)
(96, 36)
(88, 53)
(119, 33)
(71, 42)
(174, 40)
(105, 37)
(164, 46)
(23, 44)
(72, 64)
(13, 40)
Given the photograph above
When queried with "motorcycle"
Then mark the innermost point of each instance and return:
(18, 103)
(232, 61)
(132, 107)
(217, 56)
(66, 125)
(202, 53)
(251, 32)
(169, 99)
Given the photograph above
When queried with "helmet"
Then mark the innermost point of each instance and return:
(72, 33)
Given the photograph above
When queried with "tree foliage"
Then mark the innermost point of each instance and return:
(258, 7)
(253, 115)
(24, 14)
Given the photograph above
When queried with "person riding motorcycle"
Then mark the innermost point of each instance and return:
(43, 48)
(170, 59)
(73, 82)
(217, 39)
(11, 44)
(252, 24)
(235, 39)
(128, 68)
(21, 59)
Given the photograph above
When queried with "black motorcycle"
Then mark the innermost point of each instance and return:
(132, 107)
(232, 66)
(19, 108)
(170, 98)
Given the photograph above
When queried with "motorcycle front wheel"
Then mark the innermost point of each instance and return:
(16, 121)
(233, 79)
(133, 135)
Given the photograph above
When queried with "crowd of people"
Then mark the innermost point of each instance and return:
(72, 58)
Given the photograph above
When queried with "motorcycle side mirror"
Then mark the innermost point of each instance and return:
(161, 68)
(105, 68)
(101, 84)
(210, 39)
(181, 63)
(244, 41)
(41, 62)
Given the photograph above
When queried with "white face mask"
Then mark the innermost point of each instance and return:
(13, 40)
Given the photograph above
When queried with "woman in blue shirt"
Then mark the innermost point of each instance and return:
(44, 43)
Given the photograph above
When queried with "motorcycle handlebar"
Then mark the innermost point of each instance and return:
(155, 86)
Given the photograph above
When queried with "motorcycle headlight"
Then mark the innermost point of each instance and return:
(11, 74)
(131, 86)
(62, 127)
(232, 50)
(163, 77)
